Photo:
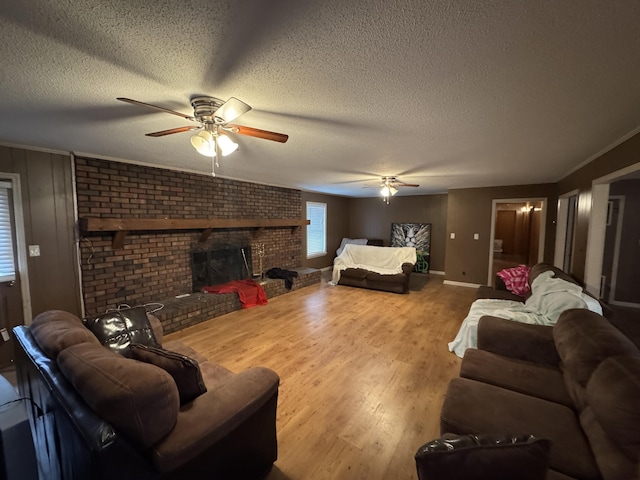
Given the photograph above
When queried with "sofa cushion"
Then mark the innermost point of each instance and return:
(56, 330)
(541, 381)
(584, 339)
(613, 393)
(476, 407)
(497, 457)
(139, 400)
(544, 267)
(118, 329)
(393, 278)
(184, 370)
(359, 273)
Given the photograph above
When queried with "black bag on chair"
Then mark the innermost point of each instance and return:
(118, 329)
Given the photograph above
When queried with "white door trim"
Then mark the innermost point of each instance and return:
(597, 223)
(561, 227)
(616, 248)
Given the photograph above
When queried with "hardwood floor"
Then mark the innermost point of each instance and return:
(363, 373)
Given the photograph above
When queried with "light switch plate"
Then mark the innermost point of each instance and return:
(452, 236)
(34, 250)
(476, 236)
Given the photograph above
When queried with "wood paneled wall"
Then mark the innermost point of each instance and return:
(47, 201)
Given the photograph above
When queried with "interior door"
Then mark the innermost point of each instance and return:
(506, 229)
(11, 312)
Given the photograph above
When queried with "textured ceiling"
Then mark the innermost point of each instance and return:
(442, 93)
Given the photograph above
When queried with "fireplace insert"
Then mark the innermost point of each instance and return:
(220, 265)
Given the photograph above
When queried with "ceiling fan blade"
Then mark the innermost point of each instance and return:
(407, 185)
(231, 109)
(255, 132)
(173, 130)
(155, 107)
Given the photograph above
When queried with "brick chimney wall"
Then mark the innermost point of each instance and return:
(156, 265)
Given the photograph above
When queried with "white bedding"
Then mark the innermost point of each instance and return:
(383, 260)
(550, 297)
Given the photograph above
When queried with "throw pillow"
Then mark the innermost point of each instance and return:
(516, 279)
(184, 370)
(118, 329)
(139, 400)
(483, 456)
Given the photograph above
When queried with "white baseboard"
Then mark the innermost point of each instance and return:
(324, 269)
(461, 284)
(435, 272)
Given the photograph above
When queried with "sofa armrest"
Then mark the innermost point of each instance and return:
(500, 285)
(407, 268)
(213, 415)
(483, 456)
(533, 343)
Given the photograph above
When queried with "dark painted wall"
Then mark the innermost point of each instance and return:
(629, 264)
(372, 218)
(337, 227)
(47, 203)
(624, 155)
(469, 212)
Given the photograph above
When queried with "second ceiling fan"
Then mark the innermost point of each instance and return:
(389, 187)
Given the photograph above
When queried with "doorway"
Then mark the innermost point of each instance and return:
(597, 225)
(517, 234)
(15, 306)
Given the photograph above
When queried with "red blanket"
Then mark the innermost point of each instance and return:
(249, 292)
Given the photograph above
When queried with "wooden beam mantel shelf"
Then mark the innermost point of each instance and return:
(121, 226)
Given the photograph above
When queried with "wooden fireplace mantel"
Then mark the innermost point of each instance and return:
(121, 226)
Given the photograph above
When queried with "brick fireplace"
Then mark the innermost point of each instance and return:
(153, 266)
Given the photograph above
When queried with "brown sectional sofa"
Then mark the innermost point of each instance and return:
(98, 414)
(500, 292)
(576, 384)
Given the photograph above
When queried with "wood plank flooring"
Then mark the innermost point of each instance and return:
(363, 373)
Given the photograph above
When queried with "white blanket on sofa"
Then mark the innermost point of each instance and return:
(383, 260)
(550, 297)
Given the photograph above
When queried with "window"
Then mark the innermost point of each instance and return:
(7, 264)
(317, 229)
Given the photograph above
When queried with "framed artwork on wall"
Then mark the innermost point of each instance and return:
(416, 235)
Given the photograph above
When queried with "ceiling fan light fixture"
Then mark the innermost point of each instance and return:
(385, 191)
(227, 146)
(393, 190)
(205, 143)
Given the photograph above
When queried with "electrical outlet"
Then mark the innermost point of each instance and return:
(34, 250)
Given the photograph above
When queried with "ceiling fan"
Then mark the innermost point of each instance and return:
(389, 187)
(213, 117)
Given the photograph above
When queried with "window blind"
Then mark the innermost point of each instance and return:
(316, 230)
(7, 262)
